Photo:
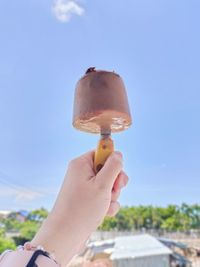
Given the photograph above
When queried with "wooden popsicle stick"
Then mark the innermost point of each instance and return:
(104, 149)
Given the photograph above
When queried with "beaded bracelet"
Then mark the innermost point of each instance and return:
(29, 247)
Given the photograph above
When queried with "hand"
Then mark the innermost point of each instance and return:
(82, 203)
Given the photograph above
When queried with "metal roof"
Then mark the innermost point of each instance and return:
(169, 243)
(105, 246)
(138, 246)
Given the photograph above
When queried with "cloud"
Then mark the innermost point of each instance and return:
(19, 195)
(65, 9)
(27, 196)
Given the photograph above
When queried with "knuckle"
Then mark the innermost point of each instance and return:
(115, 194)
(101, 186)
(117, 161)
(72, 162)
(119, 154)
(126, 178)
(76, 163)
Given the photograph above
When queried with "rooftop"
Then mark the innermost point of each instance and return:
(138, 246)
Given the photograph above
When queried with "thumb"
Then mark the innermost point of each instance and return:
(111, 169)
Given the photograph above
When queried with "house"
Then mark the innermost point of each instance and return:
(4, 213)
(129, 251)
(140, 251)
(100, 249)
(180, 251)
(20, 216)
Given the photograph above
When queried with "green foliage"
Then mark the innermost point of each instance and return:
(2, 232)
(28, 229)
(124, 219)
(108, 223)
(171, 218)
(38, 215)
(6, 244)
(11, 224)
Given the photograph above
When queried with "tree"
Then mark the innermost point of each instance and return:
(28, 229)
(124, 220)
(171, 218)
(194, 214)
(109, 223)
(6, 244)
(2, 232)
(38, 215)
(11, 224)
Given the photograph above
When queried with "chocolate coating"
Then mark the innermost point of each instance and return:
(101, 103)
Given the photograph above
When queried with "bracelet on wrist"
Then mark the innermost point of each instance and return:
(29, 246)
(38, 250)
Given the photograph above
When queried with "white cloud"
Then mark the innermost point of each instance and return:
(19, 195)
(65, 9)
(27, 196)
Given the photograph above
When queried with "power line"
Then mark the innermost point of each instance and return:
(17, 187)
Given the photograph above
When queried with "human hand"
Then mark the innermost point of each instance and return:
(82, 203)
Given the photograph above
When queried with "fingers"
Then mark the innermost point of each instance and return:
(113, 209)
(84, 165)
(88, 155)
(113, 166)
(121, 181)
(115, 195)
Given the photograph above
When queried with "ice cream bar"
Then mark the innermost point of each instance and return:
(101, 106)
(100, 103)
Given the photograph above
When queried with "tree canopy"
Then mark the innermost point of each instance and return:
(170, 218)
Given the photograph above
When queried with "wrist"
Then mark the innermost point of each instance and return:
(22, 257)
(64, 241)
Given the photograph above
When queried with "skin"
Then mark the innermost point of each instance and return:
(81, 205)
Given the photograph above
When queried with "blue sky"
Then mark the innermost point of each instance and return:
(47, 45)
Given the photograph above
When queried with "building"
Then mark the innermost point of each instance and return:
(4, 213)
(20, 216)
(140, 251)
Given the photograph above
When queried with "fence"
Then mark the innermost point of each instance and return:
(102, 235)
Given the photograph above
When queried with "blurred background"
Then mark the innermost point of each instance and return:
(45, 47)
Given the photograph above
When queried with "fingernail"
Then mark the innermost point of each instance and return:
(121, 183)
(126, 182)
(118, 153)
